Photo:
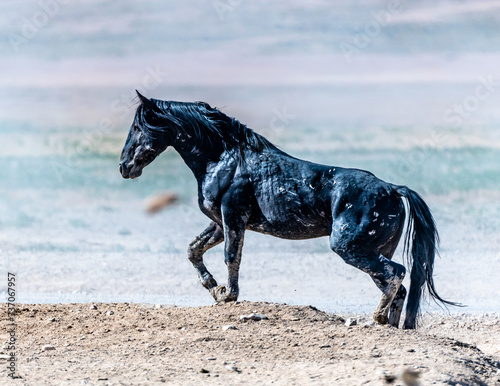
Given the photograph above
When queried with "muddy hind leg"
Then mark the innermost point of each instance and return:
(388, 277)
(397, 307)
(207, 239)
(398, 302)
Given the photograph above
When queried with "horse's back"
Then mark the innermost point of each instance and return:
(297, 199)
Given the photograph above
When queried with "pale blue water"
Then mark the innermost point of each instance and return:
(74, 230)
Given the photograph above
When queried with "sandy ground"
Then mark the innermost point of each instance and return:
(111, 344)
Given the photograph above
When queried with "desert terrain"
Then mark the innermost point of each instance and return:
(123, 344)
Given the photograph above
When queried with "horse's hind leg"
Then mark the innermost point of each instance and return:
(207, 239)
(398, 302)
(387, 276)
(397, 307)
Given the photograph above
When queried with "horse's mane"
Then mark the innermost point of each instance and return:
(212, 128)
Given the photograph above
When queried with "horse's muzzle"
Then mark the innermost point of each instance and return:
(124, 172)
(131, 173)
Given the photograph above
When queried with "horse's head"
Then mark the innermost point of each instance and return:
(141, 147)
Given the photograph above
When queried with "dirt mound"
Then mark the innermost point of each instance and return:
(139, 344)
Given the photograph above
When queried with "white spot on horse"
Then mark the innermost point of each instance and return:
(208, 204)
(371, 233)
(375, 214)
(348, 205)
(392, 215)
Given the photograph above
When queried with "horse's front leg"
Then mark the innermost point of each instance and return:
(207, 239)
(234, 231)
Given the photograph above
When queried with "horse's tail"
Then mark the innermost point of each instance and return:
(423, 237)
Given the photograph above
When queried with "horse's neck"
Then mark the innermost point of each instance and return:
(195, 154)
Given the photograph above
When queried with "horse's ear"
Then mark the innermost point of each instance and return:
(145, 101)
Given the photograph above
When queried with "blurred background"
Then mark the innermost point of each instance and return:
(407, 90)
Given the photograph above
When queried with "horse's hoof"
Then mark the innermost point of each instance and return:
(380, 318)
(209, 282)
(220, 294)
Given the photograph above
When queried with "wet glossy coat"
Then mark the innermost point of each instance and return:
(246, 183)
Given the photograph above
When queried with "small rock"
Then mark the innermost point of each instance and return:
(233, 368)
(253, 316)
(229, 327)
(204, 371)
(371, 323)
(351, 322)
(411, 350)
(92, 307)
(48, 347)
(157, 306)
(410, 377)
(211, 359)
(110, 312)
(387, 377)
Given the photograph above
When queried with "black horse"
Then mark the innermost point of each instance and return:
(245, 182)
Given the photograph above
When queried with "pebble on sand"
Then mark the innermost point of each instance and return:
(410, 377)
(229, 327)
(48, 347)
(252, 316)
(351, 322)
(233, 368)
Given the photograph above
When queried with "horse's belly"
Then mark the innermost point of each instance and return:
(290, 225)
